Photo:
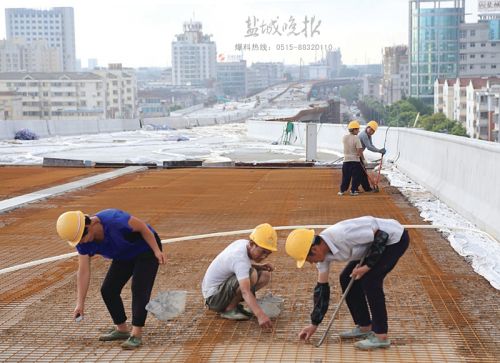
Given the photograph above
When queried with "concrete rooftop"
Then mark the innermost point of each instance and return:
(440, 310)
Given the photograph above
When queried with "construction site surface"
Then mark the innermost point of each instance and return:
(439, 309)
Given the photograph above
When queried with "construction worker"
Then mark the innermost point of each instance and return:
(351, 167)
(366, 140)
(135, 250)
(382, 242)
(232, 277)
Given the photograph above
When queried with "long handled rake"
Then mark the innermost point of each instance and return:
(373, 185)
(344, 295)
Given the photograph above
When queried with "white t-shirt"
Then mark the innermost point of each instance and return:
(351, 145)
(349, 240)
(233, 260)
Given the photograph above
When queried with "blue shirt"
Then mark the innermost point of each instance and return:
(120, 241)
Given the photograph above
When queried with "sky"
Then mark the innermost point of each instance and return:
(139, 33)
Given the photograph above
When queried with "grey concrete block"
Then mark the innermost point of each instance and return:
(67, 163)
(182, 163)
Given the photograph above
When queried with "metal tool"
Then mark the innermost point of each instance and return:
(344, 295)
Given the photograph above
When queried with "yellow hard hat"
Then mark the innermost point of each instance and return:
(373, 124)
(70, 226)
(265, 236)
(353, 125)
(298, 244)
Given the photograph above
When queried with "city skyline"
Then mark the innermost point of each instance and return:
(141, 34)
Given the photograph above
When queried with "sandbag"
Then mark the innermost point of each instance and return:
(168, 305)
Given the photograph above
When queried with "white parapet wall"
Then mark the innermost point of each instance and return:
(461, 172)
(48, 128)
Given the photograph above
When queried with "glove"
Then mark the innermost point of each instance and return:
(383, 151)
(321, 301)
(377, 248)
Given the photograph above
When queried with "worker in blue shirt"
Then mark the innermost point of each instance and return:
(135, 250)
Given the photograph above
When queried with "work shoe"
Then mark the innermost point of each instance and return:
(340, 193)
(244, 310)
(372, 342)
(234, 314)
(114, 334)
(132, 343)
(355, 333)
(355, 193)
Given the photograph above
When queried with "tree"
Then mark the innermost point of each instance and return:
(438, 122)
(421, 107)
(350, 92)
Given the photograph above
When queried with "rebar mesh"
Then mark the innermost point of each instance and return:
(439, 309)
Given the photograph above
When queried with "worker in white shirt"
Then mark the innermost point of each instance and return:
(382, 242)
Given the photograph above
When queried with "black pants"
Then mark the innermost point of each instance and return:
(371, 287)
(351, 170)
(142, 269)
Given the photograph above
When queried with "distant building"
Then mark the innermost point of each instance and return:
(473, 102)
(193, 57)
(433, 43)
(318, 71)
(273, 71)
(11, 107)
(264, 74)
(66, 96)
(334, 63)
(479, 55)
(395, 81)
(256, 80)
(121, 91)
(489, 13)
(56, 26)
(372, 87)
(232, 78)
(158, 102)
(18, 56)
(485, 112)
(92, 63)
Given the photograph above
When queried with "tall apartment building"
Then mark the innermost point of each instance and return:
(120, 91)
(479, 55)
(194, 57)
(232, 78)
(395, 82)
(433, 43)
(474, 102)
(56, 26)
(486, 112)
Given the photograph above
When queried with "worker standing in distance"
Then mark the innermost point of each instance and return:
(382, 242)
(351, 167)
(232, 277)
(365, 137)
(135, 250)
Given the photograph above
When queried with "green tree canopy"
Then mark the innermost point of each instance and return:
(439, 123)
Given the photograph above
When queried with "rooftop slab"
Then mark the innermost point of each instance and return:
(26, 179)
(439, 309)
